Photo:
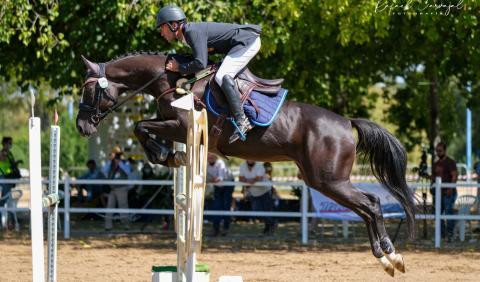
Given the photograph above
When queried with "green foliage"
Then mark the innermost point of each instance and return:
(329, 51)
(73, 147)
(16, 110)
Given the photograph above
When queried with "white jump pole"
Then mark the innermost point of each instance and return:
(180, 216)
(38, 202)
(189, 192)
(36, 207)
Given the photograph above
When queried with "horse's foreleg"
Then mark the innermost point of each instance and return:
(156, 152)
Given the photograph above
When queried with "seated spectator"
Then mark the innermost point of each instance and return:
(117, 169)
(217, 171)
(259, 196)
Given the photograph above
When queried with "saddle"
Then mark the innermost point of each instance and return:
(247, 81)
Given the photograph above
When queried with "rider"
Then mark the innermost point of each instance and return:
(240, 43)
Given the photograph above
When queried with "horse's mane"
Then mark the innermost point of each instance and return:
(180, 58)
(138, 53)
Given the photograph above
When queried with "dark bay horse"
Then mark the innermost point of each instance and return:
(320, 142)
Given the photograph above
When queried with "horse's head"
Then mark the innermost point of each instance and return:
(143, 72)
(99, 95)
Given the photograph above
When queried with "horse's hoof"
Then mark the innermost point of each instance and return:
(180, 158)
(397, 261)
(387, 266)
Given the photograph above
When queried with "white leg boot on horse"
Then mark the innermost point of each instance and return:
(395, 259)
(387, 266)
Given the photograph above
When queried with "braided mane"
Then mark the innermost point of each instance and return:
(138, 53)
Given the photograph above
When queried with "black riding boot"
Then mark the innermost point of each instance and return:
(233, 98)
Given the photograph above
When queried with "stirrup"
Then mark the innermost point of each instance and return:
(240, 131)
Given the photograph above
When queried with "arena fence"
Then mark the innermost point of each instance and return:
(303, 214)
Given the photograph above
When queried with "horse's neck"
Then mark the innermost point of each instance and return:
(136, 71)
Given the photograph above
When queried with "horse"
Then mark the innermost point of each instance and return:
(320, 142)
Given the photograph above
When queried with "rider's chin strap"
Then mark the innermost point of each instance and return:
(181, 24)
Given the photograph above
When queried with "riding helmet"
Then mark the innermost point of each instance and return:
(169, 14)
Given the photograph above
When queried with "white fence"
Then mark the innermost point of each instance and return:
(303, 214)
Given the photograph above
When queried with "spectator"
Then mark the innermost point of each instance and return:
(132, 189)
(275, 196)
(446, 168)
(8, 166)
(117, 169)
(259, 196)
(156, 197)
(94, 191)
(135, 173)
(217, 171)
(477, 171)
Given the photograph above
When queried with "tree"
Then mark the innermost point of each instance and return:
(437, 56)
(330, 51)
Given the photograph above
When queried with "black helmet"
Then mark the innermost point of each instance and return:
(168, 14)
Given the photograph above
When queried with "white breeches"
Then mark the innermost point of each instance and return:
(236, 61)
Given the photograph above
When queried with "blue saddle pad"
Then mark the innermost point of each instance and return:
(268, 106)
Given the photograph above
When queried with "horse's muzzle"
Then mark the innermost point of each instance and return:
(85, 128)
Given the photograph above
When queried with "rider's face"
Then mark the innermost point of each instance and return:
(167, 33)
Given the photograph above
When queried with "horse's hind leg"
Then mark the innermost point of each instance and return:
(385, 242)
(367, 207)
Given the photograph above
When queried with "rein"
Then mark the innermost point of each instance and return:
(188, 84)
(101, 89)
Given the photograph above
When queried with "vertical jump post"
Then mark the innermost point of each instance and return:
(38, 201)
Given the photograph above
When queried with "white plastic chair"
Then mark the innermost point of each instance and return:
(11, 201)
(465, 203)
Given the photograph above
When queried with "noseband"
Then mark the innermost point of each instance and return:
(101, 90)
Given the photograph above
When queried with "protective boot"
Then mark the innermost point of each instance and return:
(160, 152)
(233, 98)
(164, 156)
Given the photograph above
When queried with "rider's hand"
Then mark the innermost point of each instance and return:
(172, 65)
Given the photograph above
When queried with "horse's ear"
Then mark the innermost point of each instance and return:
(91, 66)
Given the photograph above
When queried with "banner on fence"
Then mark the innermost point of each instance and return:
(325, 207)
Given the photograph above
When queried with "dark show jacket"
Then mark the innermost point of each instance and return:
(222, 37)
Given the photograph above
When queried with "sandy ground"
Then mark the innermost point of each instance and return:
(129, 258)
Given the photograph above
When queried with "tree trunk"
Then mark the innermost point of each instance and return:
(434, 114)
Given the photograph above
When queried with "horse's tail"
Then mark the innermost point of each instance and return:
(388, 160)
